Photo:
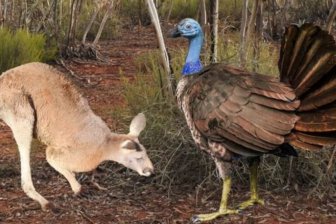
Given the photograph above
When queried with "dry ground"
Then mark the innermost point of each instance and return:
(129, 198)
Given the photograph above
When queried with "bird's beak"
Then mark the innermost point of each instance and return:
(174, 32)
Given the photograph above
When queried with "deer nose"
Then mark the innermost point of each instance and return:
(148, 171)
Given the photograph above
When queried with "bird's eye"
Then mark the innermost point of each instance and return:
(188, 26)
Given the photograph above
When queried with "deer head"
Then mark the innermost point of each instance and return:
(130, 152)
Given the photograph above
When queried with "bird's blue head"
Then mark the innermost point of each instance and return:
(190, 29)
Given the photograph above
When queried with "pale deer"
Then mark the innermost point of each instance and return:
(38, 101)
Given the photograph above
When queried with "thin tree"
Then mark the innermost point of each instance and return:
(258, 35)
(55, 19)
(171, 4)
(164, 55)
(4, 14)
(1, 18)
(271, 17)
(99, 4)
(331, 17)
(214, 30)
(243, 28)
(75, 8)
(203, 19)
(252, 20)
(203, 12)
(283, 4)
(103, 22)
(251, 33)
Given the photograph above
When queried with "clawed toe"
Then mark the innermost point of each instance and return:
(211, 216)
(195, 219)
(251, 202)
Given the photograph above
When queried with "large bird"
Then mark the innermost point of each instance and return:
(234, 113)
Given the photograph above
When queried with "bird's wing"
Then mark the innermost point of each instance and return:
(248, 113)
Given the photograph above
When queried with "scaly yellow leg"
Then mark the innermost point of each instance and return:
(223, 210)
(253, 186)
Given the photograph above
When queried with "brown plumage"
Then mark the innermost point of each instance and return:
(231, 112)
(251, 114)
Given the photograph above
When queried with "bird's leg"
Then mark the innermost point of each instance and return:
(223, 209)
(253, 186)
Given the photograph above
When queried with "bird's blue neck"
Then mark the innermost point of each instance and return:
(193, 63)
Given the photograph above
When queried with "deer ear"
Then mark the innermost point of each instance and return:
(138, 124)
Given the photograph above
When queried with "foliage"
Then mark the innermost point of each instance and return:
(262, 60)
(309, 11)
(21, 47)
(135, 12)
(180, 9)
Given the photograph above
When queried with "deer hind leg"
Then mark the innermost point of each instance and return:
(55, 160)
(19, 116)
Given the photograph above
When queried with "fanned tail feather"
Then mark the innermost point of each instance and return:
(308, 64)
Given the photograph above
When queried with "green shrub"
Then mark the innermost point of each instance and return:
(21, 47)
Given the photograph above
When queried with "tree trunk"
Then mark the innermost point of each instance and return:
(214, 30)
(55, 19)
(331, 17)
(103, 22)
(243, 28)
(72, 21)
(60, 13)
(75, 9)
(5, 8)
(164, 55)
(170, 11)
(252, 20)
(283, 14)
(12, 11)
(1, 18)
(26, 15)
(257, 37)
(94, 15)
(78, 9)
(203, 18)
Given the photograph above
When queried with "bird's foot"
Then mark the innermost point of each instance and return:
(250, 202)
(211, 216)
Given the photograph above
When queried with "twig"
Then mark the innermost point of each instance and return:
(92, 180)
(72, 73)
(88, 82)
(330, 163)
(85, 216)
(289, 171)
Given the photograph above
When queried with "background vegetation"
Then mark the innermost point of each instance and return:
(43, 30)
